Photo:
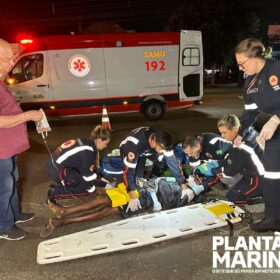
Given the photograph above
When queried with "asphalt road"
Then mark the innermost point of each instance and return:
(189, 257)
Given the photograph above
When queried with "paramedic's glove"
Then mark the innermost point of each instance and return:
(133, 205)
(104, 180)
(110, 185)
(188, 193)
(268, 129)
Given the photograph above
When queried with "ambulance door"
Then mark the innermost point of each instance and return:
(190, 66)
(78, 75)
(29, 80)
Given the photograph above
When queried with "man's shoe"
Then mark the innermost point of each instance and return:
(255, 200)
(50, 194)
(14, 233)
(265, 225)
(123, 213)
(25, 217)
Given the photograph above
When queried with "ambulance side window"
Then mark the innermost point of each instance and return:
(27, 68)
(191, 57)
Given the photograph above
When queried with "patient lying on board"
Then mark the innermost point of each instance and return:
(155, 194)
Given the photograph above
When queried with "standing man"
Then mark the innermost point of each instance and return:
(13, 141)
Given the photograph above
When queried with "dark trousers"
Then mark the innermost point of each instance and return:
(245, 190)
(271, 181)
(74, 186)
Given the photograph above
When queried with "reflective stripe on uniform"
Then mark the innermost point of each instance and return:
(214, 140)
(91, 190)
(112, 172)
(129, 164)
(252, 106)
(73, 152)
(272, 175)
(254, 157)
(90, 178)
(130, 139)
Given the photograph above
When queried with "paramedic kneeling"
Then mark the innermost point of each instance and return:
(74, 165)
(143, 143)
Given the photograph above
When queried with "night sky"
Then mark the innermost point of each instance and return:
(44, 17)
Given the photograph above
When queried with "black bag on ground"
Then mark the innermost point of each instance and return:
(169, 194)
(112, 168)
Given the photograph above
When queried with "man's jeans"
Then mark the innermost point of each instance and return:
(9, 205)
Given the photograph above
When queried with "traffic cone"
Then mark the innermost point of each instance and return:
(105, 118)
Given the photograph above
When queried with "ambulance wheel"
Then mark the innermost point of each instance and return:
(153, 110)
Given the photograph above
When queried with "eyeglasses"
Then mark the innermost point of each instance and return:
(243, 63)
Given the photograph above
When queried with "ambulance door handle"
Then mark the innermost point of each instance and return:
(40, 85)
(38, 96)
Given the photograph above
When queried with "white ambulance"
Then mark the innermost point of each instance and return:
(78, 74)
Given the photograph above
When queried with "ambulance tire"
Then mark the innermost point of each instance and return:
(153, 110)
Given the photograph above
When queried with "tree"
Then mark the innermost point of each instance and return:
(223, 24)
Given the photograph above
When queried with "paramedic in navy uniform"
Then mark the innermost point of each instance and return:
(143, 143)
(262, 94)
(74, 165)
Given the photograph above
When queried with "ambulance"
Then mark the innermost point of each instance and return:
(72, 75)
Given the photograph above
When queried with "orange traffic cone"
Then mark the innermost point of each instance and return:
(105, 119)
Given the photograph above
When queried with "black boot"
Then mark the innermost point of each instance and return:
(50, 194)
(265, 225)
(255, 200)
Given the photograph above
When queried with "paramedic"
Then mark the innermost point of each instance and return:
(74, 165)
(245, 160)
(143, 143)
(208, 146)
(262, 94)
(206, 152)
(13, 141)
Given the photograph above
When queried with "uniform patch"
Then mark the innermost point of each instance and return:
(273, 80)
(219, 152)
(68, 144)
(131, 156)
(229, 162)
(58, 150)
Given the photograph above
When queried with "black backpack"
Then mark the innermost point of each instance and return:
(169, 194)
